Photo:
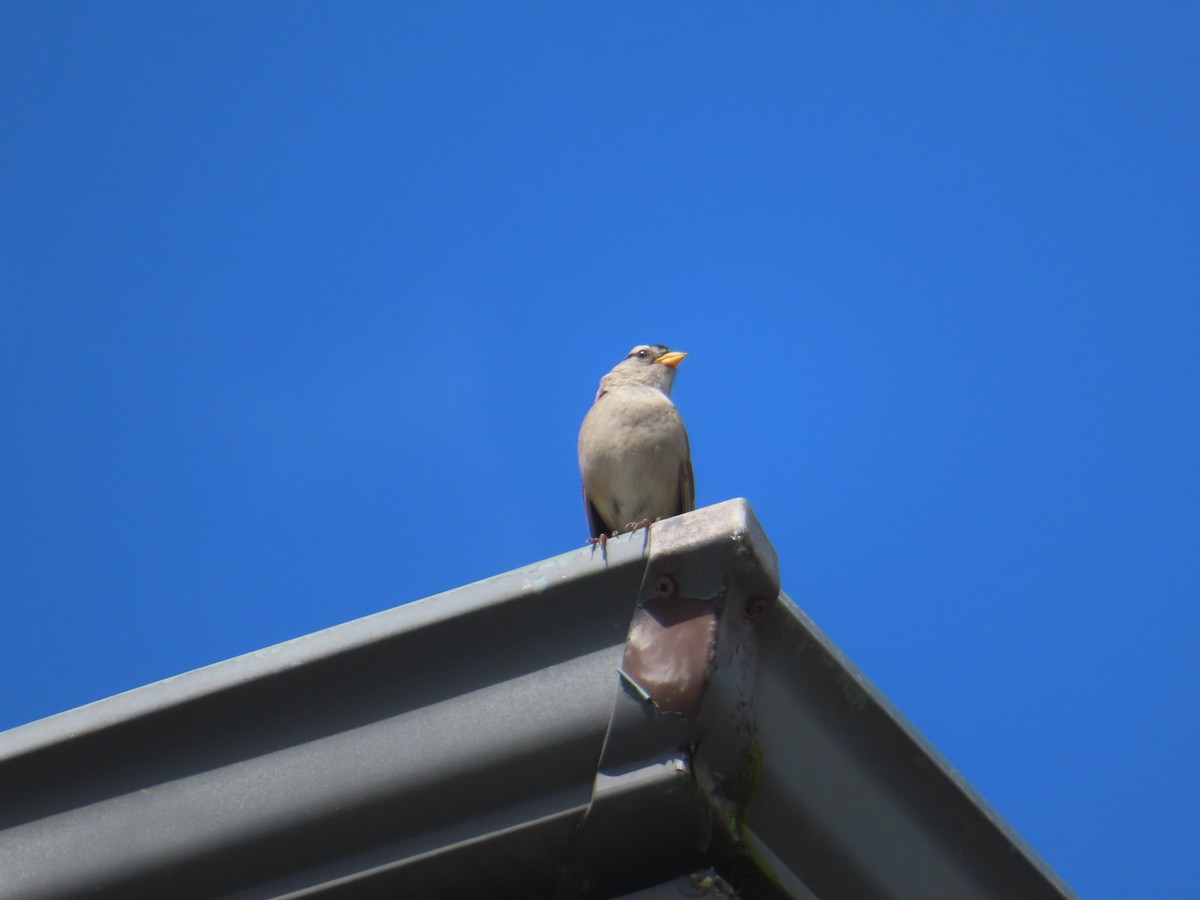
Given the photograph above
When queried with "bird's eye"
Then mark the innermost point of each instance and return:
(642, 354)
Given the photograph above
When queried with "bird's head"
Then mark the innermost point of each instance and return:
(650, 364)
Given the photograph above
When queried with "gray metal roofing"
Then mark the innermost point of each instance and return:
(652, 716)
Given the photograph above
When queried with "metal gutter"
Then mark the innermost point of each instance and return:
(652, 718)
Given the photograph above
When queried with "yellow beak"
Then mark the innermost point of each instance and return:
(671, 358)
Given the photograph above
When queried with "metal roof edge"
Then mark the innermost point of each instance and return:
(643, 716)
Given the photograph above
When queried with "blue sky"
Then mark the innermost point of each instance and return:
(303, 304)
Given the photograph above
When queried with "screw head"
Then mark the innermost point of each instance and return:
(755, 607)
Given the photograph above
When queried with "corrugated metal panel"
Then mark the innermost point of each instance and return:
(506, 739)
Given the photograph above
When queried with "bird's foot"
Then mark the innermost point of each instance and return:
(634, 526)
(601, 541)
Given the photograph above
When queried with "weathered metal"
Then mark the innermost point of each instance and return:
(648, 717)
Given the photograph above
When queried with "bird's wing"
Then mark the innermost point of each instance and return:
(687, 484)
(595, 523)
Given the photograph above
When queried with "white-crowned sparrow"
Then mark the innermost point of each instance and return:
(633, 448)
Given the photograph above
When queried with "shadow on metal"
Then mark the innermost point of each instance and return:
(652, 718)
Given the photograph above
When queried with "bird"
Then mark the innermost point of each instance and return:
(634, 455)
